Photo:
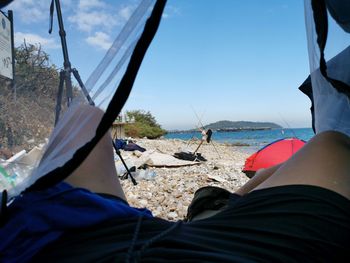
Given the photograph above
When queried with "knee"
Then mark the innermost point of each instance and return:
(332, 137)
(332, 140)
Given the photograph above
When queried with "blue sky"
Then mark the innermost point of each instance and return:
(222, 60)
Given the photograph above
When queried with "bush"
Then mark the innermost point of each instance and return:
(145, 125)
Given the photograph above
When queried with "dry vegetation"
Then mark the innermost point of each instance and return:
(27, 109)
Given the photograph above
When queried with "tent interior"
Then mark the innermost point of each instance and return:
(47, 152)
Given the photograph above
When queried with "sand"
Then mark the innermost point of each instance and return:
(171, 190)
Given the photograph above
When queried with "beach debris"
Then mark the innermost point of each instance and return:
(128, 145)
(17, 169)
(217, 178)
(188, 156)
(146, 174)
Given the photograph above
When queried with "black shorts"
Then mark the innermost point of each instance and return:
(294, 223)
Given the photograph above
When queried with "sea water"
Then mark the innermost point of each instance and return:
(249, 140)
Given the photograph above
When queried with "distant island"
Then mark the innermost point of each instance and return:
(225, 126)
(241, 125)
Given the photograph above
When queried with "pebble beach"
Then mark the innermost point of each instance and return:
(168, 194)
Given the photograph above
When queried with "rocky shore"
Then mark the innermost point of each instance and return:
(171, 190)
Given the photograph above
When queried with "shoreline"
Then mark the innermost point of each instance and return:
(171, 190)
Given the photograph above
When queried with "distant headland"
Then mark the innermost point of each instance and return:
(233, 126)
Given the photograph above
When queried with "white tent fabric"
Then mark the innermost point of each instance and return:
(77, 126)
(100, 87)
(332, 109)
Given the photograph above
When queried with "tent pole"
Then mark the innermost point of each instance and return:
(65, 76)
(126, 167)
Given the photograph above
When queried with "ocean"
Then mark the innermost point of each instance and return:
(249, 141)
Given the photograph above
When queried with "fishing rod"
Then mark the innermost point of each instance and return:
(196, 128)
(200, 122)
(288, 125)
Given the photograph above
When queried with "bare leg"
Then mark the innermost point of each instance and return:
(323, 161)
(98, 173)
(259, 177)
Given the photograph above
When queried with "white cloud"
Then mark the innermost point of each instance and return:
(87, 21)
(47, 43)
(100, 40)
(30, 11)
(125, 12)
(88, 4)
(93, 15)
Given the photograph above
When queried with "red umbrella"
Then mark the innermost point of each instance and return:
(272, 154)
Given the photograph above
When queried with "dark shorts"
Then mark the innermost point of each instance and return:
(282, 224)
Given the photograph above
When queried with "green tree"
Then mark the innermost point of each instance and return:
(145, 125)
